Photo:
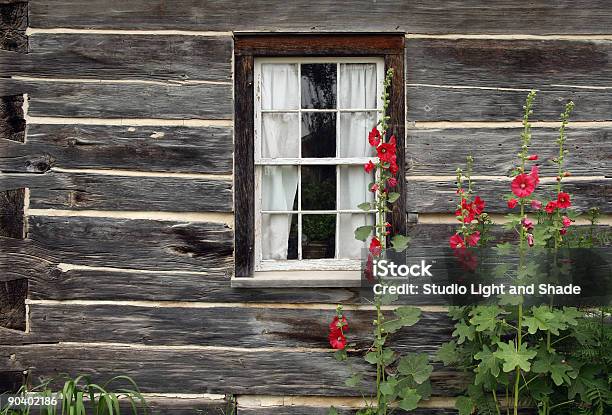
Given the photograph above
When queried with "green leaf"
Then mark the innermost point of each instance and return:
(409, 315)
(554, 364)
(463, 332)
(513, 358)
(464, 405)
(362, 232)
(393, 196)
(366, 206)
(399, 242)
(332, 411)
(448, 354)
(340, 355)
(410, 399)
(353, 381)
(539, 319)
(416, 365)
(485, 317)
(387, 388)
(488, 363)
(371, 357)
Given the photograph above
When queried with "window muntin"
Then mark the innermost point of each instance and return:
(312, 116)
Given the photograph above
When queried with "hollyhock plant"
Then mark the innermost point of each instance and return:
(563, 200)
(512, 203)
(523, 185)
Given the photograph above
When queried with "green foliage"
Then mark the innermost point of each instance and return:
(80, 396)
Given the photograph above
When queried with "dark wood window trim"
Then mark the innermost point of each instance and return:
(249, 46)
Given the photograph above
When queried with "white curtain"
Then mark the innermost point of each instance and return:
(279, 139)
(357, 86)
(354, 184)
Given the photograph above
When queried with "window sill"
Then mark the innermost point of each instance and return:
(299, 279)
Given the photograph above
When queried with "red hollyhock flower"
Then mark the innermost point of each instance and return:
(393, 168)
(338, 325)
(532, 157)
(512, 203)
(535, 170)
(467, 213)
(523, 185)
(374, 188)
(386, 153)
(563, 231)
(527, 223)
(375, 247)
(392, 182)
(551, 206)
(337, 340)
(473, 239)
(369, 167)
(374, 137)
(563, 200)
(566, 221)
(456, 241)
(478, 205)
(530, 240)
(536, 204)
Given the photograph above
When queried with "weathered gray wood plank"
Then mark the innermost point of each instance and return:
(225, 326)
(473, 16)
(440, 195)
(131, 243)
(128, 100)
(86, 191)
(120, 57)
(435, 103)
(197, 370)
(320, 410)
(512, 63)
(12, 304)
(494, 150)
(138, 148)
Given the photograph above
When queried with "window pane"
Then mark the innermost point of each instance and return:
(279, 236)
(279, 86)
(279, 188)
(348, 246)
(357, 85)
(318, 236)
(318, 134)
(319, 85)
(318, 187)
(354, 184)
(354, 130)
(279, 135)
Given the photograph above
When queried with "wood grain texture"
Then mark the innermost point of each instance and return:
(12, 213)
(13, 24)
(440, 195)
(186, 406)
(12, 304)
(128, 100)
(138, 148)
(494, 150)
(12, 122)
(244, 179)
(85, 191)
(114, 56)
(320, 410)
(129, 243)
(434, 103)
(225, 326)
(473, 16)
(207, 371)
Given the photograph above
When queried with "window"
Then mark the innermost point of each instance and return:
(304, 107)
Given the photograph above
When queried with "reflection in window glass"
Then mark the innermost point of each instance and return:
(318, 85)
(318, 236)
(318, 187)
(318, 134)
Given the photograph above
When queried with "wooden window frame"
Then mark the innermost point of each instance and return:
(247, 47)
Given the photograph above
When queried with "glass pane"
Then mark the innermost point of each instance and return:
(318, 187)
(279, 135)
(354, 187)
(354, 130)
(319, 85)
(357, 85)
(318, 236)
(279, 86)
(279, 236)
(348, 246)
(279, 188)
(318, 134)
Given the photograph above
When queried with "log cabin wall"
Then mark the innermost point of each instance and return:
(116, 187)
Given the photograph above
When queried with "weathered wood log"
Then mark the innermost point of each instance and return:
(440, 195)
(12, 122)
(13, 24)
(120, 57)
(85, 191)
(324, 410)
(225, 326)
(132, 243)
(12, 304)
(215, 370)
(445, 103)
(138, 148)
(185, 406)
(537, 17)
(128, 100)
(494, 150)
